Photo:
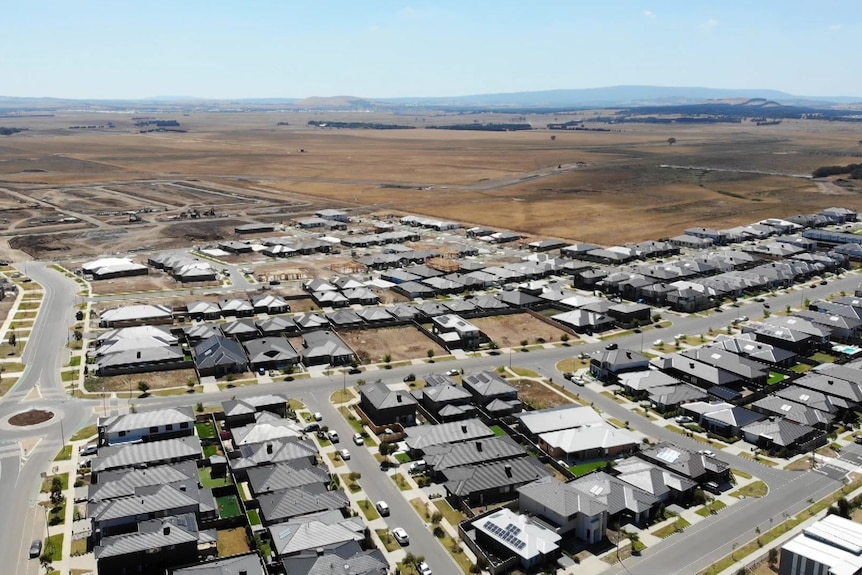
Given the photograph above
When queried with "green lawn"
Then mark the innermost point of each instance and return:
(401, 482)
(388, 540)
(823, 357)
(800, 368)
(403, 457)
(210, 482)
(64, 481)
(205, 430)
(588, 467)
(756, 489)
(669, 530)
(85, 433)
(368, 509)
(741, 473)
(775, 377)
(64, 454)
(228, 506)
(210, 450)
(253, 517)
(498, 430)
(713, 506)
(54, 546)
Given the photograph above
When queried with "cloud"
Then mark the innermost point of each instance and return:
(711, 23)
(836, 26)
(649, 14)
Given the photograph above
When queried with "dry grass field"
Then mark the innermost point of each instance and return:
(400, 342)
(71, 189)
(509, 330)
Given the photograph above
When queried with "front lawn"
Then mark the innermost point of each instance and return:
(403, 457)
(588, 467)
(64, 454)
(401, 482)
(449, 514)
(85, 433)
(64, 482)
(756, 489)
(54, 547)
(368, 509)
(710, 508)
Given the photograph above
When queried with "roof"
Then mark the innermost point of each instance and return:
(105, 266)
(832, 541)
(134, 338)
(247, 405)
(782, 432)
(646, 379)
(136, 312)
(682, 461)
(421, 437)
(267, 478)
(113, 484)
(219, 351)
(282, 449)
(147, 419)
(447, 455)
(557, 418)
(562, 498)
(518, 533)
(300, 535)
(346, 559)
(445, 393)
(134, 454)
(597, 436)
(248, 563)
(270, 349)
(381, 397)
(133, 543)
(487, 384)
(651, 478)
(467, 479)
(324, 343)
(263, 431)
(155, 499)
(288, 503)
(616, 494)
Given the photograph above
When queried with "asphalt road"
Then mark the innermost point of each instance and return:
(704, 542)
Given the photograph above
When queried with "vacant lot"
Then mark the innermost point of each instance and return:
(401, 342)
(537, 395)
(154, 281)
(156, 380)
(510, 330)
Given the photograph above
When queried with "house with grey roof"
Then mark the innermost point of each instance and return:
(486, 386)
(142, 360)
(275, 326)
(270, 353)
(376, 315)
(622, 499)
(722, 419)
(124, 482)
(752, 372)
(638, 383)
(596, 441)
(241, 329)
(746, 345)
(269, 303)
(492, 481)
(146, 426)
(345, 559)
(152, 548)
(323, 346)
(134, 339)
(568, 510)
(423, 436)
(283, 505)
(666, 398)
(696, 372)
(126, 455)
(774, 406)
(435, 398)
(344, 318)
(332, 299)
(291, 450)
(242, 411)
(447, 455)
(319, 531)
(384, 406)
(311, 321)
(608, 364)
(665, 485)
(199, 332)
(248, 563)
(129, 315)
(279, 476)
(266, 427)
(236, 307)
(218, 356)
(776, 435)
(699, 467)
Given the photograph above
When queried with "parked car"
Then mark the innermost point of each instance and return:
(611, 346)
(759, 300)
(658, 342)
(401, 536)
(418, 466)
(382, 508)
(409, 378)
(453, 372)
(579, 381)
(344, 454)
(35, 548)
(858, 440)
(261, 371)
(423, 569)
(89, 449)
(683, 419)
(712, 487)
(354, 370)
(311, 428)
(358, 439)
(332, 436)
(318, 416)
(568, 375)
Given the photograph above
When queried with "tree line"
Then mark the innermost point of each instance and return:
(855, 171)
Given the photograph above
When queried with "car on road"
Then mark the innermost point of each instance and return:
(354, 370)
(683, 419)
(578, 380)
(611, 346)
(382, 508)
(824, 282)
(410, 377)
(332, 436)
(706, 452)
(418, 466)
(453, 372)
(318, 416)
(89, 449)
(759, 300)
(679, 336)
(343, 454)
(401, 536)
(766, 306)
(423, 569)
(35, 548)
(310, 428)
(568, 375)
(858, 440)
(658, 342)
(358, 439)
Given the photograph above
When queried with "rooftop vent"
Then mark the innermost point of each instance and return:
(464, 427)
(166, 530)
(508, 469)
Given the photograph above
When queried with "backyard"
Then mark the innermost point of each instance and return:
(228, 506)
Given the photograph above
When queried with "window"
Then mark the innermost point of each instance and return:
(154, 429)
(122, 434)
(184, 425)
(169, 427)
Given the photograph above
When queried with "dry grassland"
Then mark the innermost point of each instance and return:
(400, 342)
(604, 187)
(509, 330)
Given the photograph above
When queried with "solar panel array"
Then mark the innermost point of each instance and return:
(508, 535)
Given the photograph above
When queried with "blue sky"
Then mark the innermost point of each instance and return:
(368, 48)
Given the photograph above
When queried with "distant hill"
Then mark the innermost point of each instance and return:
(341, 102)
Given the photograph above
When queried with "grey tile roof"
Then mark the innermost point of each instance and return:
(134, 338)
(676, 394)
(239, 327)
(362, 563)
(552, 493)
(219, 351)
(133, 543)
(467, 479)
(835, 387)
(381, 397)
(781, 431)
(276, 324)
(279, 506)
(136, 454)
(147, 419)
(143, 356)
(421, 437)
(252, 404)
(268, 478)
(248, 563)
(616, 494)
(113, 484)
(267, 427)
(311, 320)
(446, 455)
(487, 384)
(284, 449)
(791, 410)
(446, 393)
(811, 398)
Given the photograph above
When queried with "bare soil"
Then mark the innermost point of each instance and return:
(509, 330)
(156, 380)
(31, 417)
(537, 395)
(405, 342)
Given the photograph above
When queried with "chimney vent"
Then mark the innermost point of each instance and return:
(166, 530)
(269, 448)
(398, 398)
(139, 355)
(830, 382)
(182, 487)
(319, 551)
(508, 470)
(464, 427)
(479, 446)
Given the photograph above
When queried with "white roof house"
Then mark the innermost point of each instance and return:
(555, 419)
(112, 267)
(519, 534)
(600, 436)
(833, 544)
(135, 313)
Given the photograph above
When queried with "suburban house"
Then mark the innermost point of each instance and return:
(831, 545)
(665, 485)
(291, 450)
(487, 387)
(348, 556)
(155, 545)
(491, 481)
(446, 402)
(782, 435)
(147, 426)
(535, 423)
(283, 505)
(200, 310)
(218, 356)
(384, 406)
(699, 467)
(568, 510)
(239, 412)
(128, 455)
(270, 353)
(324, 531)
(279, 476)
(320, 347)
(606, 365)
(145, 359)
(444, 456)
(723, 419)
(515, 539)
(270, 304)
(421, 437)
(456, 332)
(129, 315)
(107, 268)
(621, 499)
(600, 440)
(248, 563)
(241, 329)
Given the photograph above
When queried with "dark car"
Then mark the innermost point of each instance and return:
(567, 375)
(611, 346)
(858, 440)
(35, 548)
(824, 282)
(354, 370)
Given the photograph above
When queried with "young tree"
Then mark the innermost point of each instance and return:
(671, 141)
(143, 387)
(431, 354)
(13, 341)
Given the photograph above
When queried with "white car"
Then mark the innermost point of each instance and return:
(679, 336)
(344, 454)
(90, 449)
(318, 416)
(332, 435)
(382, 508)
(683, 419)
(423, 569)
(418, 466)
(658, 342)
(357, 439)
(401, 536)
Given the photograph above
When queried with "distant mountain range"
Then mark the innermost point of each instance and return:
(609, 97)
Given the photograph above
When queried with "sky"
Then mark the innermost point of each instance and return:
(391, 48)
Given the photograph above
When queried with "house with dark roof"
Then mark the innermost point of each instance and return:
(623, 500)
(275, 326)
(439, 400)
(345, 559)
(665, 485)
(320, 347)
(752, 372)
(291, 450)
(777, 435)
(240, 329)
(384, 406)
(486, 386)
(666, 398)
(699, 467)
(421, 437)
(568, 510)
(218, 356)
(279, 476)
(316, 533)
(492, 482)
(270, 353)
(697, 373)
(127, 455)
(239, 412)
(153, 547)
(269, 303)
(607, 364)
(444, 456)
(248, 563)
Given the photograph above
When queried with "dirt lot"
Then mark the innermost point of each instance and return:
(538, 395)
(580, 186)
(155, 281)
(509, 330)
(402, 343)
(156, 380)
